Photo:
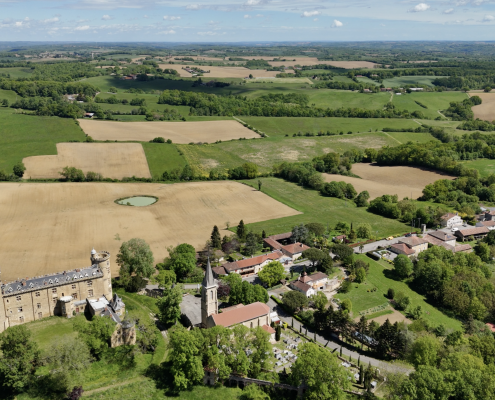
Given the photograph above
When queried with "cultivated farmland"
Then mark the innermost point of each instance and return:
(112, 160)
(223, 72)
(485, 110)
(53, 227)
(377, 180)
(178, 132)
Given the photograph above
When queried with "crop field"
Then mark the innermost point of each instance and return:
(112, 160)
(316, 208)
(52, 227)
(267, 152)
(377, 180)
(162, 157)
(28, 135)
(303, 61)
(282, 126)
(433, 101)
(380, 277)
(223, 72)
(486, 110)
(410, 80)
(178, 132)
(281, 80)
(345, 98)
(404, 137)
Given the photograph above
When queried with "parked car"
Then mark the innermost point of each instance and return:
(408, 234)
(390, 238)
(455, 229)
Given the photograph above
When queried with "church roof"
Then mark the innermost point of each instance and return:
(241, 314)
(208, 280)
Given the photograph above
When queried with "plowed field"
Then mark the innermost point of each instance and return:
(51, 227)
(224, 72)
(485, 110)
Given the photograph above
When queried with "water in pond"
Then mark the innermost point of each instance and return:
(138, 201)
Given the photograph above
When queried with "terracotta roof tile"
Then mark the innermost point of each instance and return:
(303, 287)
(269, 329)
(401, 248)
(463, 247)
(281, 236)
(413, 241)
(295, 248)
(251, 262)
(272, 243)
(448, 216)
(241, 314)
(473, 231)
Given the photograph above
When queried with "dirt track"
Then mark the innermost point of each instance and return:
(378, 181)
(50, 227)
(178, 132)
(112, 160)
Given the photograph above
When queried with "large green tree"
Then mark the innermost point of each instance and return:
(314, 255)
(96, 333)
(216, 240)
(272, 273)
(403, 266)
(295, 300)
(321, 372)
(181, 260)
(135, 258)
(424, 351)
(169, 304)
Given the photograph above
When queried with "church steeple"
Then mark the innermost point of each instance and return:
(209, 301)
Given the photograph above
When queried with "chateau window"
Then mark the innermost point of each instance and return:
(90, 293)
(8, 301)
(21, 319)
(74, 296)
(90, 283)
(55, 299)
(19, 309)
(251, 325)
(212, 295)
(73, 286)
(38, 305)
(37, 294)
(40, 315)
(54, 290)
(18, 298)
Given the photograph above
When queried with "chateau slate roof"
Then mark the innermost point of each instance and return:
(61, 278)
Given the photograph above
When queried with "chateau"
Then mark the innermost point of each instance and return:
(64, 294)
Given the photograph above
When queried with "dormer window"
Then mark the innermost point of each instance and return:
(50, 281)
(56, 280)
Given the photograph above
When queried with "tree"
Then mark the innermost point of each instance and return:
(424, 351)
(314, 255)
(184, 356)
(346, 305)
(272, 273)
(319, 300)
(343, 227)
(401, 300)
(216, 240)
(76, 393)
(252, 244)
(20, 357)
(487, 89)
(363, 231)
(316, 228)
(403, 266)
(135, 257)
(278, 332)
(391, 293)
(181, 260)
(295, 300)
(482, 250)
(251, 170)
(5, 102)
(19, 169)
(259, 184)
(166, 278)
(72, 174)
(362, 200)
(241, 230)
(417, 312)
(96, 334)
(253, 392)
(360, 275)
(169, 304)
(322, 373)
(113, 89)
(68, 359)
(300, 234)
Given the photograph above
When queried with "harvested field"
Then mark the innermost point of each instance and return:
(224, 72)
(112, 160)
(486, 110)
(377, 180)
(51, 227)
(178, 132)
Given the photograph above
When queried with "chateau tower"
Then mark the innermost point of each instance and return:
(209, 301)
(102, 259)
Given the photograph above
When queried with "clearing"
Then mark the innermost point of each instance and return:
(399, 180)
(178, 132)
(51, 227)
(485, 110)
(112, 160)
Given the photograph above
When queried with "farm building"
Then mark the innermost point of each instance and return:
(302, 287)
(317, 280)
(450, 220)
(295, 250)
(472, 233)
(487, 224)
(409, 246)
(250, 266)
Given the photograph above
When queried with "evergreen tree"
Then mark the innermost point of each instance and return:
(216, 240)
(241, 230)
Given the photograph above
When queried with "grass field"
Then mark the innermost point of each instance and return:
(162, 157)
(316, 208)
(404, 137)
(269, 151)
(344, 98)
(290, 125)
(47, 331)
(27, 135)
(10, 95)
(484, 166)
(75, 217)
(410, 80)
(367, 80)
(17, 72)
(379, 276)
(434, 101)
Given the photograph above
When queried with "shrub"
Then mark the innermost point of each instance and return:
(391, 293)
(158, 140)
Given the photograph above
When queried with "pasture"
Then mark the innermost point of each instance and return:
(483, 165)
(399, 180)
(486, 110)
(162, 157)
(111, 160)
(434, 101)
(178, 132)
(418, 80)
(53, 227)
(347, 99)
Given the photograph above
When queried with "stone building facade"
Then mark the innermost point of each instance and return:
(63, 293)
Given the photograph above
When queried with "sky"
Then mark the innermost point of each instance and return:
(245, 20)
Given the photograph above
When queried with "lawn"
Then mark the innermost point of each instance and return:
(484, 166)
(48, 331)
(282, 126)
(316, 208)
(29, 135)
(162, 157)
(434, 101)
(380, 277)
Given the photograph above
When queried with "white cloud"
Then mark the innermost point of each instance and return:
(106, 17)
(211, 33)
(259, 15)
(420, 7)
(170, 18)
(28, 19)
(337, 24)
(316, 19)
(192, 7)
(247, 16)
(253, 2)
(18, 24)
(449, 11)
(310, 13)
(50, 20)
(169, 32)
(82, 28)
(489, 18)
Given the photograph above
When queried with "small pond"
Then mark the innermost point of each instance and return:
(137, 201)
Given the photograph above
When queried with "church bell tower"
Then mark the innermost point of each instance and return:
(209, 301)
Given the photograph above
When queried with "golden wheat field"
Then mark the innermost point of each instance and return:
(223, 72)
(377, 180)
(112, 160)
(50, 227)
(486, 110)
(178, 132)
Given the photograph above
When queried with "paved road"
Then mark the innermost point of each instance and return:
(381, 365)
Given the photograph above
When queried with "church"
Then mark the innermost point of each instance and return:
(251, 315)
